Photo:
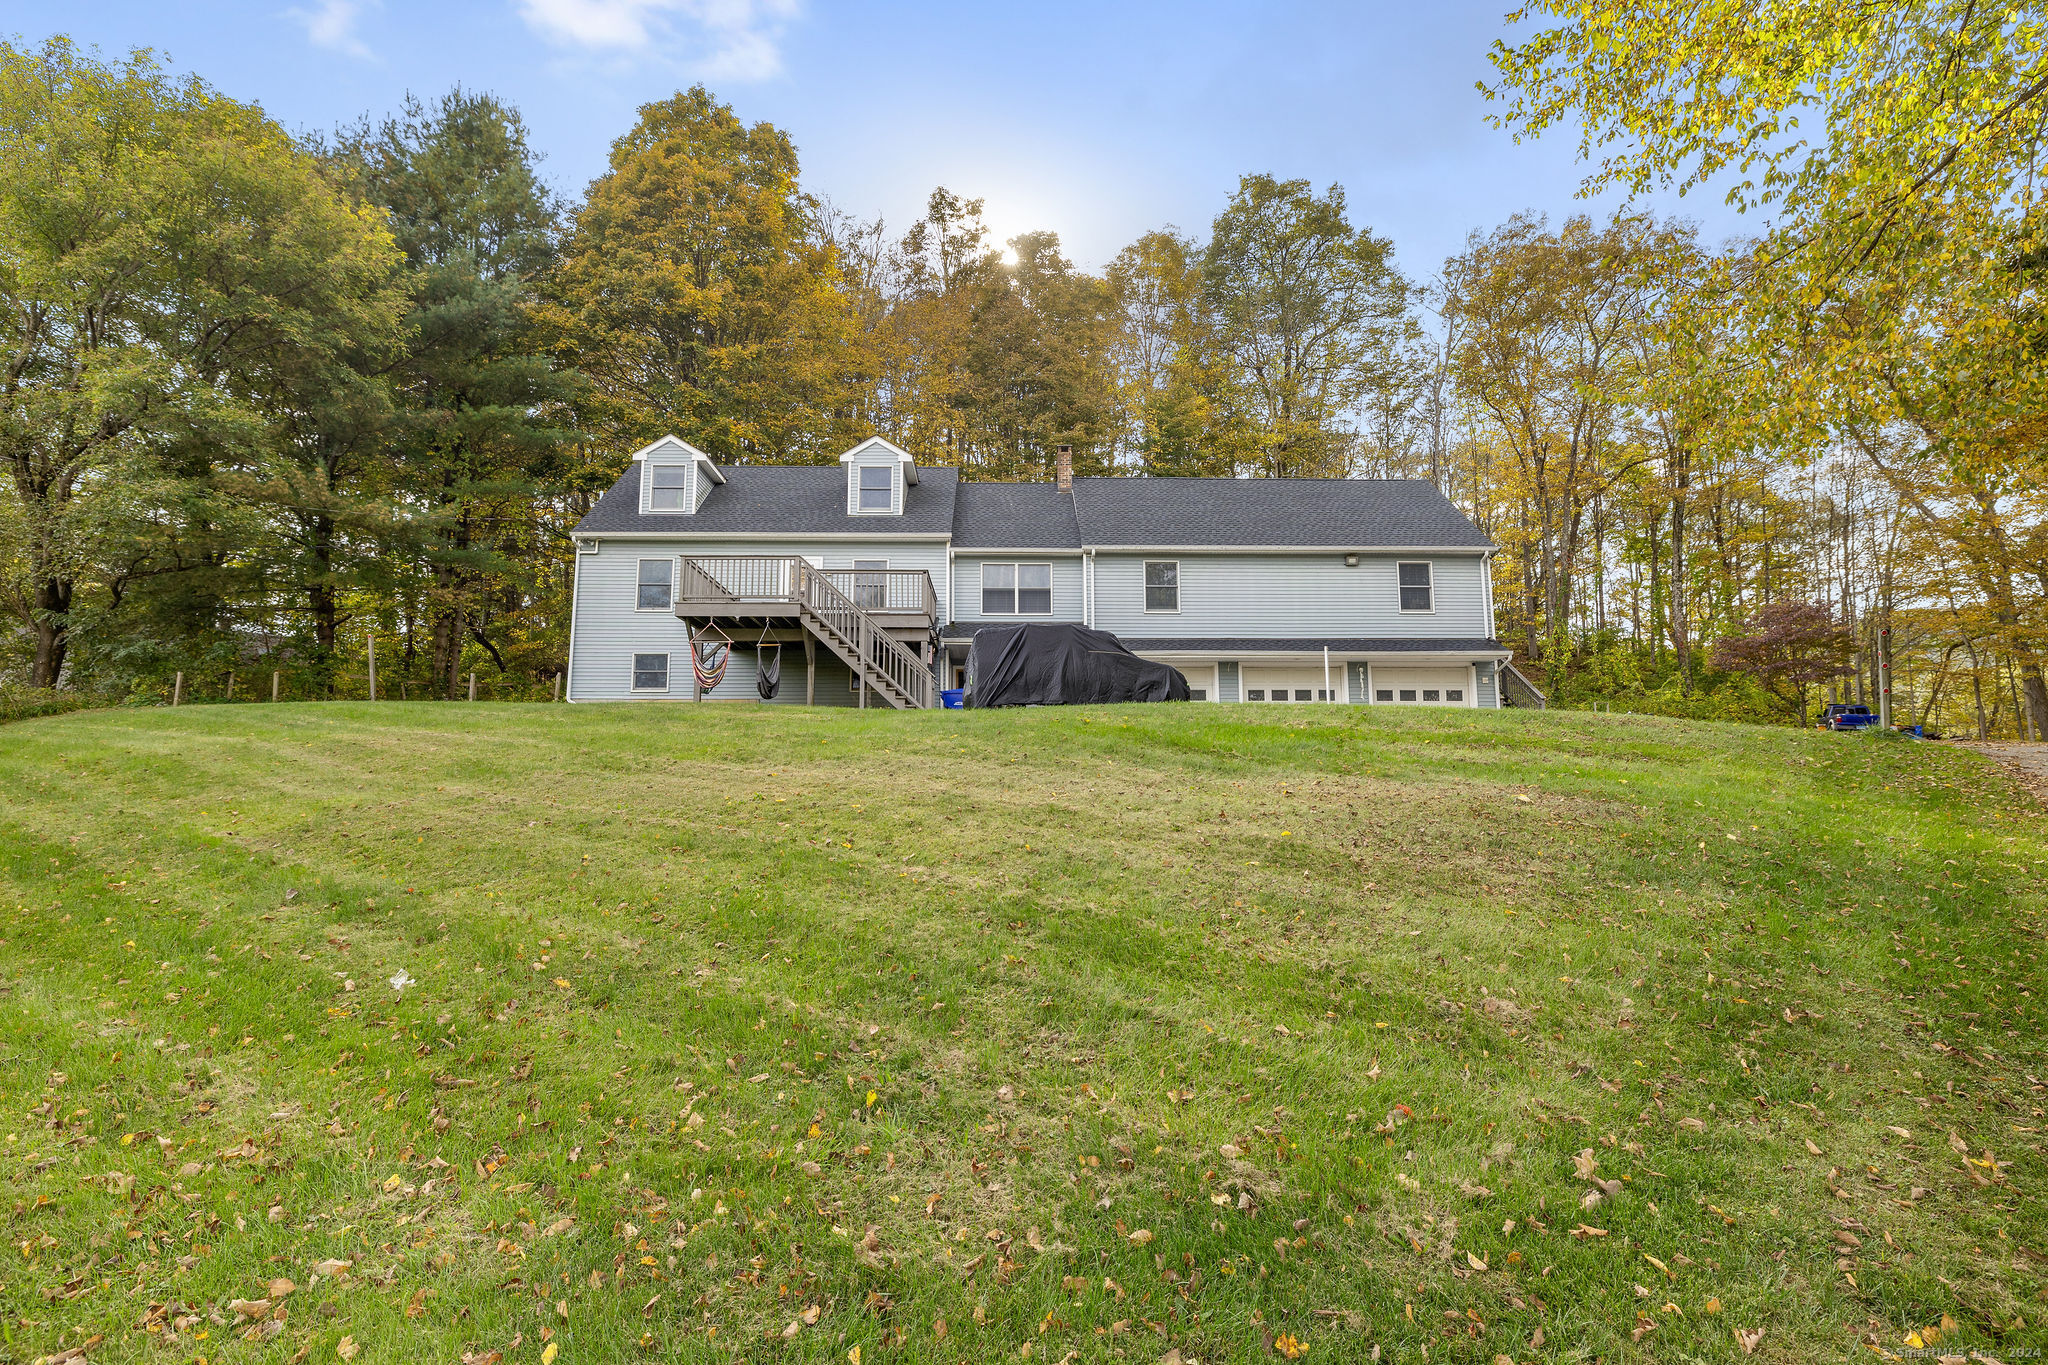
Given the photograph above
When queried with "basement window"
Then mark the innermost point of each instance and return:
(1383, 694)
(1454, 694)
(650, 672)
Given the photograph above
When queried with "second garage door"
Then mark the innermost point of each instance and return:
(1291, 684)
(1443, 686)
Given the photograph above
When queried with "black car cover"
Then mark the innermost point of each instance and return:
(1062, 665)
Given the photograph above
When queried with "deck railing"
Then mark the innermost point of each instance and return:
(894, 592)
(739, 578)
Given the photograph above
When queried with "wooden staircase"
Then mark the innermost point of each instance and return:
(888, 667)
(764, 588)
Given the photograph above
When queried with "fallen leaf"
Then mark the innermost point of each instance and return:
(1747, 1338)
(347, 1348)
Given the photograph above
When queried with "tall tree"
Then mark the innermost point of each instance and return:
(165, 252)
(480, 408)
(698, 293)
(1313, 316)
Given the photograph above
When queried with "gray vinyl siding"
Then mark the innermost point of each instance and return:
(1227, 685)
(1486, 690)
(1066, 586)
(609, 631)
(1288, 596)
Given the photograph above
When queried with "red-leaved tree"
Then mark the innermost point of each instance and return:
(1791, 648)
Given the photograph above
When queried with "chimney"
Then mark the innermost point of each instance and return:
(1063, 469)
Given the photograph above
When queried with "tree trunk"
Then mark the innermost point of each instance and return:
(52, 629)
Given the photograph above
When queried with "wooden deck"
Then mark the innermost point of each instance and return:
(879, 621)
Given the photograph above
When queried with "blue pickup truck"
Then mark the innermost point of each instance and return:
(1841, 715)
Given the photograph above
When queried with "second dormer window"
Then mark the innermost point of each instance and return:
(877, 488)
(670, 488)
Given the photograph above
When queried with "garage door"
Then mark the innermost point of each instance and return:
(1444, 686)
(1291, 684)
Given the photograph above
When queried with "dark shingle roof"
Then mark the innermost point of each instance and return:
(1015, 516)
(779, 500)
(811, 499)
(1357, 513)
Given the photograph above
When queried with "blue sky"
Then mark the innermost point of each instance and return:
(1097, 120)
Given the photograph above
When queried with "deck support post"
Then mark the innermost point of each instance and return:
(810, 669)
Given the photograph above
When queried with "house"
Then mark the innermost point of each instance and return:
(866, 581)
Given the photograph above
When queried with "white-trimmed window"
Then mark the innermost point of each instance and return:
(1162, 585)
(877, 488)
(1016, 590)
(668, 488)
(650, 672)
(1417, 592)
(657, 585)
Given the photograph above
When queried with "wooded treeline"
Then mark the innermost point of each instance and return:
(266, 397)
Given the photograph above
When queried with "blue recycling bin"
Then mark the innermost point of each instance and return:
(951, 697)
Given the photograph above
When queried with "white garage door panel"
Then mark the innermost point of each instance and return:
(1291, 684)
(1449, 686)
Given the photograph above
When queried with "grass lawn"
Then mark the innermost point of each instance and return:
(1083, 1034)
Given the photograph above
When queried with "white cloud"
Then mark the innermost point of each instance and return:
(332, 24)
(738, 40)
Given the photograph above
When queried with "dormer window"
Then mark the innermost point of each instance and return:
(878, 478)
(670, 488)
(675, 477)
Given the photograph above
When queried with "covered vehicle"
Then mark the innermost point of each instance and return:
(1058, 664)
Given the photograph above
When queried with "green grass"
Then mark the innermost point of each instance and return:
(1098, 1033)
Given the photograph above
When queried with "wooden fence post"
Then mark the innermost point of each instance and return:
(273, 684)
(558, 684)
(178, 689)
(231, 685)
(472, 686)
(373, 668)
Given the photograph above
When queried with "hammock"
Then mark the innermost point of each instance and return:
(708, 658)
(768, 670)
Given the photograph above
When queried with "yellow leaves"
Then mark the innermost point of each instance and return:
(563, 983)
(547, 1355)
(347, 1348)
(853, 1356)
(1142, 1236)
(872, 1097)
(1923, 1337)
